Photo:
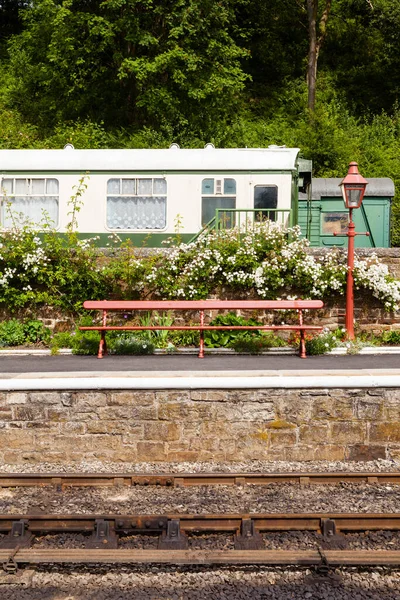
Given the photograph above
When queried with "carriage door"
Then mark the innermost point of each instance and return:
(265, 202)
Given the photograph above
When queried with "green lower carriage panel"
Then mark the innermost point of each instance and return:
(137, 240)
(323, 217)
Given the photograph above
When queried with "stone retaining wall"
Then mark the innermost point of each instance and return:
(194, 425)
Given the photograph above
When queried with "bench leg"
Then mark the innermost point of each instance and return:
(102, 345)
(201, 348)
(302, 345)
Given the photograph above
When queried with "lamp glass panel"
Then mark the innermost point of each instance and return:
(353, 195)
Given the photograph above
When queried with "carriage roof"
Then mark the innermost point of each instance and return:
(208, 159)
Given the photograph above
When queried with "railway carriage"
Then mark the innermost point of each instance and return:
(145, 195)
(140, 194)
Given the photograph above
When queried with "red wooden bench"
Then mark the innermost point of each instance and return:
(107, 306)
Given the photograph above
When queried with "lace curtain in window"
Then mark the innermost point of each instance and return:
(138, 212)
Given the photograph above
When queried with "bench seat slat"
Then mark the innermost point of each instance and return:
(201, 304)
(198, 327)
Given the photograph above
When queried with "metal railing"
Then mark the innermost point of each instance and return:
(244, 219)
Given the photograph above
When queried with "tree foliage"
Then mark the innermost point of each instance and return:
(164, 63)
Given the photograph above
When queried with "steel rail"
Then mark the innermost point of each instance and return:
(189, 479)
(198, 523)
(330, 558)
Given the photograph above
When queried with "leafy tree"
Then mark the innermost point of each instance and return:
(10, 19)
(170, 63)
(316, 34)
(274, 33)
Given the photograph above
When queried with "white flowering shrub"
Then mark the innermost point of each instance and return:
(38, 267)
(372, 275)
(269, 261)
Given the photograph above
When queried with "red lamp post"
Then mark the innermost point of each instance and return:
(353, 190)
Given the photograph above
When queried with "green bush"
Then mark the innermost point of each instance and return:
(322, 343)
(86, 343)
(225, 339)
(130, 344)
(16, 333)
(12, 333)
(254, 344)
(35, 332)
(392, 338)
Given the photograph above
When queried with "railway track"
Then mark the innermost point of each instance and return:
(60, 480)
(103, 532)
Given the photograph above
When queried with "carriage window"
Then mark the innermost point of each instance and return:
(334, 223)
(218, 193)
(137, 203)
(265, 196)
(34, 199)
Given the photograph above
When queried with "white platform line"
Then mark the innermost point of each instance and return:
(174, 383)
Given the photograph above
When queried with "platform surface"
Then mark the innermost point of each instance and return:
(189, 366)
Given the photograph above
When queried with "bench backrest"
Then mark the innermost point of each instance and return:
(201, 304)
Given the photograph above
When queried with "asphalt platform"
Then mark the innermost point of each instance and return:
(187, 364)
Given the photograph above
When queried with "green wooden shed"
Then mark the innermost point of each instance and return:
(322, 214)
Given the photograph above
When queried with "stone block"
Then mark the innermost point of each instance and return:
(67, 398)
(228, 413)
(173, 396)
(17, 439)
(15, 458)
(393, 452)
(17, 398)
(291, 408)
(165, 432)
(42, 425)
(45, 398)
(132, 397)
(369, 409)
(148, 451)
(310, 434)
(257, 411)
(330, 452)
(391, 410)
(30, 413)
(364, 452)
(63, 443)
(211, 395)
(282, 438)
(332, 407)
(347, 432)
(114, 427)
(83, 417)
(6, 414)
(385, 432)
(243, 396)
(183, 456)
(185, 411)
(104, 441)
(59, 415)
(295, 453)
(72, 427)
(220, 429)
(127, 413)
(193, 429)
(83, 401)
(252, 450)
(127, 454)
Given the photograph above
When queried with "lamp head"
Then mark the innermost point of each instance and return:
(353, 187)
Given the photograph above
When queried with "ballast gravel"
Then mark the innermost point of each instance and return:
(272, 498)
(199, 583)
(251, 466)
